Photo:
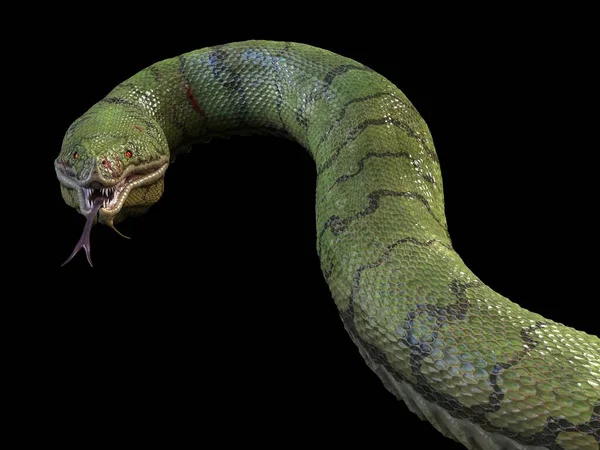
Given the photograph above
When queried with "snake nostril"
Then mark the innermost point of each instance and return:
(105, 162)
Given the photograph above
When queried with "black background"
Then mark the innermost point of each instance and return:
(214, 320)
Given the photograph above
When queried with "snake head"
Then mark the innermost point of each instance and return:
(115, 155)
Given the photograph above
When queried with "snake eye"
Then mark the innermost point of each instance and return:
(75, 155)
(128, 154)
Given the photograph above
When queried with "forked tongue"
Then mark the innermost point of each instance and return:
(84, 240)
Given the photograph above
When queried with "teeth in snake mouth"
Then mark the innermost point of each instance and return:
(108, 195)
(113, 197)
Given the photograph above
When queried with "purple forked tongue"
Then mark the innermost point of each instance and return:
(84, 240)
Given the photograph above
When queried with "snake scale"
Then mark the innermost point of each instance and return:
(481, 369)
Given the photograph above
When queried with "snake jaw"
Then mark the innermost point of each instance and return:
(102, 203)
(118, 193)
(112, 194)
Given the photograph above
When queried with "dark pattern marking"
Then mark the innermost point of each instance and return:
(156, 73)
(338, 225)
(361, 166)
(344, 109)
(556, 425)
(277, 78)
(121, 101)
(420, 349)
(301, 117)
(387, 252)
(128, 86)
(529, 344)
(355, 132)
(438, 315)
(227, 77)
(182, 63)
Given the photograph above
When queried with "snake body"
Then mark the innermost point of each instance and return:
(481, 369)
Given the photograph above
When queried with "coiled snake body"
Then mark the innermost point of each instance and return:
(481, 369)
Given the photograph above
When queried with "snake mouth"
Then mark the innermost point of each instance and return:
(112, 195)
(102, 201)
(107, 195)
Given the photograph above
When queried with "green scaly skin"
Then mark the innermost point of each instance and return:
(482, 369)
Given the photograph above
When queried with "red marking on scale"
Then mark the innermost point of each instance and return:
(106, 163)
(137, 127)
(193, 101)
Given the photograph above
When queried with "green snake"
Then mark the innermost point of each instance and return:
(481, 369)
